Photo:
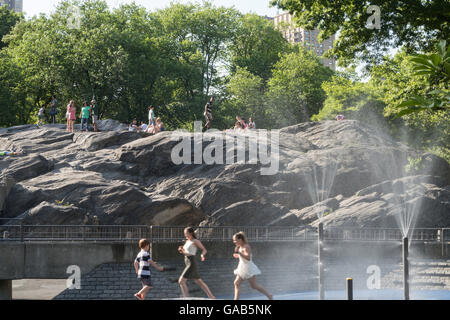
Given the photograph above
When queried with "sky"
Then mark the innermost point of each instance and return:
(261, 7)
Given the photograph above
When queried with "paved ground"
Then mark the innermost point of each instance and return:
(118, 281)
(37, 289)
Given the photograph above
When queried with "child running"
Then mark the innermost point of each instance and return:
(246, 269)
(190, 272)
(142, 266)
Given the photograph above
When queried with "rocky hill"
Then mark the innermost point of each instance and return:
(344, 171)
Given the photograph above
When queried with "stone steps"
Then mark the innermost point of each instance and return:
(118, 281)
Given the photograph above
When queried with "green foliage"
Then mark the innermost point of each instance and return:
(414, 165)
(256, 46)
(436, 67)
(417, 25)
(8, 19)
(355, 100)
(128, 58)
(246, 98)
(295, 91)
(398, 81)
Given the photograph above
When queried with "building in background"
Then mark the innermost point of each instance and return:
(284, 22)
(16, 5)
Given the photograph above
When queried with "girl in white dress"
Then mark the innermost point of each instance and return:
(246, 269)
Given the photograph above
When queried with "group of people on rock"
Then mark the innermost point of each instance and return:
(90, 111)
(53, 111)
(87, 111)
(246, 269)
(154, 125)
(242, 124)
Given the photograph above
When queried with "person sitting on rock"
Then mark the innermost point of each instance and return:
(9, 153)
(150, 129)
(133, 126)
(143, 127)
(251, 123)
(237, 126)
(159, 124)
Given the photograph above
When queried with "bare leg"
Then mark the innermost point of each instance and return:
(183, 286)
(205, 288)
(144, 291)
(258, 287)
(237, 287)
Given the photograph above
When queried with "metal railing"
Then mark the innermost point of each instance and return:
(386, 234)
(19, 232)
(73, 232)
(253, 233)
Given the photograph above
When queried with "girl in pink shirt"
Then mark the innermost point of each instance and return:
(71, 109)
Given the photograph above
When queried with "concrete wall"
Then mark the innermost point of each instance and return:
(284, 249)
(223, 250)
(37, 260)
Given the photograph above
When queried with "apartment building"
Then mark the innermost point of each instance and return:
(284, 22)
(16, 5)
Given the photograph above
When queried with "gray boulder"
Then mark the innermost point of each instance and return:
(346, 172)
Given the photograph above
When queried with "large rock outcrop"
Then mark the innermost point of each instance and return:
(344, 171)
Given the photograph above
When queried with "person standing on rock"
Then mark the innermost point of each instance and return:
(68, 115)
(84, 115)
(208, 114)
(53, 109)
(246, 269)
(95, 114)
(151, 116)
(41, 115)
(142, 266)
(72, 110)
(190, 272)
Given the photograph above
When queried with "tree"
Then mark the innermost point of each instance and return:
(8, 19)
(436, 67)
(355, 100)
(70, 63)
(245, 98)
(256, 46)
(414, 24)
(398, 81)
(295, 90)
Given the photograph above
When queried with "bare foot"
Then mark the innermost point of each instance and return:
(270, 297)
(137, 295)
